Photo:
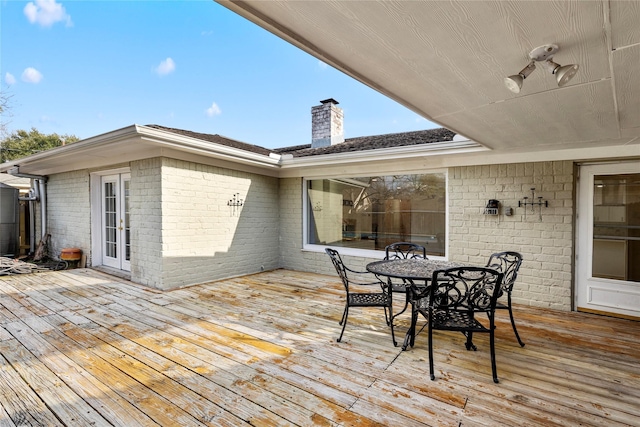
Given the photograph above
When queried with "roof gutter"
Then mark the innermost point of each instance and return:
(15, 171)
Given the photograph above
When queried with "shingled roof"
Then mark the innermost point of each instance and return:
(362, 143)
(218, 139)
(373, 142)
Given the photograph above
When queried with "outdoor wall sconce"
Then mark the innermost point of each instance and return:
(542, 54)
(492, 207)
(533, 203)
(235, 203)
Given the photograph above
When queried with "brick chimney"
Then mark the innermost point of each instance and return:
(326, 124)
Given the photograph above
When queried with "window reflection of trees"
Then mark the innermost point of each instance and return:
(398, 187)
(376, 211)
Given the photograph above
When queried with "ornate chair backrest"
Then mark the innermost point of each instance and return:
(507, 263)
(339, 265)
(405, 250)
(465, 288)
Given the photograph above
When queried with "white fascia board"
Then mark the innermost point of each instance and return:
(386, 154)
(69, 150)
(206, 148)
(599, 153)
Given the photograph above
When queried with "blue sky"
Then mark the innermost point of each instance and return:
(88, 67)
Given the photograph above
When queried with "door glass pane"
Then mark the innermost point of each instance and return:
(110, 219)
(616, 227)
(127, 233)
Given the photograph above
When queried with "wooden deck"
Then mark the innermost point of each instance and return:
(82, 348)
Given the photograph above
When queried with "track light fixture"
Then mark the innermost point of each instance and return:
(563, 73)
(542, 54)
(514, 83)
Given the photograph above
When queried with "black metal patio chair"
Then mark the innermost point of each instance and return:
(403, 250)
(358, 286)
(452, 302)
(507, 263)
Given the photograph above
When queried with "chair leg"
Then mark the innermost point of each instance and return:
(410, 338)
(431, 370)
(494, 369)
(343, 322)
(414, 324)
(407, 298)
(389, 317)
(393, 336)
(513, 322)
(406, 304)
(469, 344)
(344, 314)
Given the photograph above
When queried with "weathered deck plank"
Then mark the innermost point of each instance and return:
(52, 386)
(80, 347)
(19, 401)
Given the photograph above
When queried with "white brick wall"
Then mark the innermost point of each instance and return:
(145, 215)
(68, 212)
(179, 210)
(182, 231)
(547, 246)
(203, 238)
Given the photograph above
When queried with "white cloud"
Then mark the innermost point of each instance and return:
(9, 79)
(31, 75)
(166, 67)
(322, 65)
(46, 13)
(214, 110)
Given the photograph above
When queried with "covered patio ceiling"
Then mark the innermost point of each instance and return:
(446, 60)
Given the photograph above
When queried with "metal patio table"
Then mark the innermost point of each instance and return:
(416, 272)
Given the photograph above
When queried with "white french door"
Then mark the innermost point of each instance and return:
(115, 227)
(608, 234)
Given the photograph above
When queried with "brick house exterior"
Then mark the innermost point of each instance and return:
(183, 230)
(545, 279)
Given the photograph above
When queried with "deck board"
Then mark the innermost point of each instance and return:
(80, 347)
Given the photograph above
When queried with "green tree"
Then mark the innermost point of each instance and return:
(22, 143)
(4, 111)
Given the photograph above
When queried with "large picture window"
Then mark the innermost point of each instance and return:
(372, 212)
